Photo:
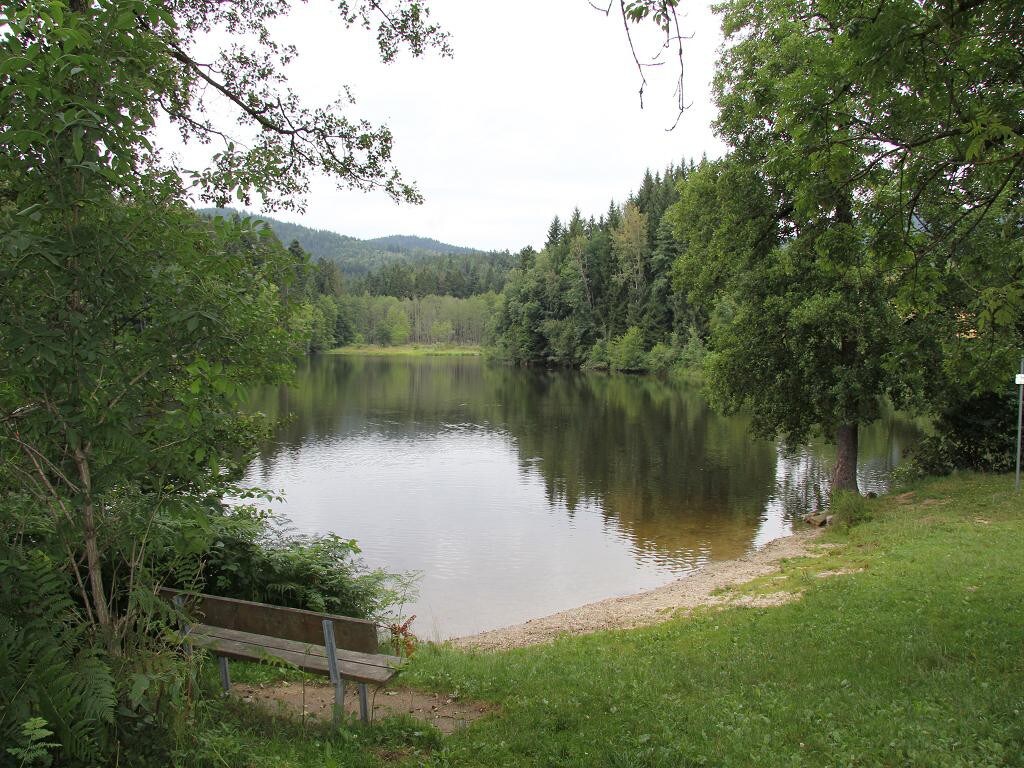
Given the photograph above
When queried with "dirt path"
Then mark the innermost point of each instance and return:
(316, 700)
(658, 604)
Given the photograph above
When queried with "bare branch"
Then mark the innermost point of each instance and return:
(632, 49)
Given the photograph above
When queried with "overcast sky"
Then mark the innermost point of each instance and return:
(536, 113)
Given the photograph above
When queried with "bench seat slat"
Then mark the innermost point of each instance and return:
(248, 651)
(311, 649)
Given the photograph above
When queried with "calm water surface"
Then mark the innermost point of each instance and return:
(516, 493)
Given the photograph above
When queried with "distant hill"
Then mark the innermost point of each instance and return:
(354, 256)
(413, 244)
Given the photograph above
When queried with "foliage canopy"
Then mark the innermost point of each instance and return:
(131, 326)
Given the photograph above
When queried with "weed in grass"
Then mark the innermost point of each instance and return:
(849, 509)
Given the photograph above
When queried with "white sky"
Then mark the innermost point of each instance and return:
(536, 113)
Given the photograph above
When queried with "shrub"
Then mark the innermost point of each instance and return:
(57, 691)
(597, 358)
(69, 696)
(626, 353)
(849, 509)
(253, 556)
(976, 434)
(694, 351)
(661, 358)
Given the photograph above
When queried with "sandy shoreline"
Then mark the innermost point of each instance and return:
(653, 606)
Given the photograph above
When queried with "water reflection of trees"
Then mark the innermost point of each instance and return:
(396, 398)
(650, 457)
(682, 483)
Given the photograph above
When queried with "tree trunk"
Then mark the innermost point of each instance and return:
(845, 476)
(94, 562)
(93, 559)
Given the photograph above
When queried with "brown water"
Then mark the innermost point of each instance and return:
(517, 493)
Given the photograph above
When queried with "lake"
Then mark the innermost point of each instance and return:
(515, 493)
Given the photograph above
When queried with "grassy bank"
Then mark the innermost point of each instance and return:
(409, 350)
(904, 648)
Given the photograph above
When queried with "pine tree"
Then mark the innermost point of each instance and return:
(555, 234)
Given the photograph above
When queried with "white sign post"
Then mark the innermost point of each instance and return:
(1020, 416)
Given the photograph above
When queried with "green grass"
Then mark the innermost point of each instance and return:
(236, 733)
(409, 350)
(911, 657)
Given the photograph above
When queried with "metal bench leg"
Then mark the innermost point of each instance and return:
(339, 700)
(225, 676)
(179, 603)
(364, 713)
(332, 669)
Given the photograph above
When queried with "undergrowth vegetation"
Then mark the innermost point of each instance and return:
(253, 556)
(66, 699)
(54, 686)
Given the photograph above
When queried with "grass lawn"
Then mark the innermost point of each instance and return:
(408, 350)
(906, 647)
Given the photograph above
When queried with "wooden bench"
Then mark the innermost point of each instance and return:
(340, 647)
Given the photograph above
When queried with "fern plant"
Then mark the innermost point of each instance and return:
(253, 556)
(34, 749)
(49, 672)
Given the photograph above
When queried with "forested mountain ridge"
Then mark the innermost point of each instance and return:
(355, 257)
(415, 244)
(459, 276)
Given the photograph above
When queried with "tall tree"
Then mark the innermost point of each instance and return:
(631, 246)
(927, 96)
(885, 166)
(129, 326)
(807, 344)
(555, 233)
(329, 281)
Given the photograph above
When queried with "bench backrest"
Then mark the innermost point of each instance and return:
(274, 621)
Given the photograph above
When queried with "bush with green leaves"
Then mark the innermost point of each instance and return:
(597, 358)
(661, 358)
(626, 353)
(253, 556)
(976, 434)
(56, 674)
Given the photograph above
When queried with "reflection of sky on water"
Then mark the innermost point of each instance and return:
(802, 485)
(490, 548)
(508, 513)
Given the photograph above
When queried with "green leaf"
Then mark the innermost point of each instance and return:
(140, 684)
(76, 143)
(13, 64)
